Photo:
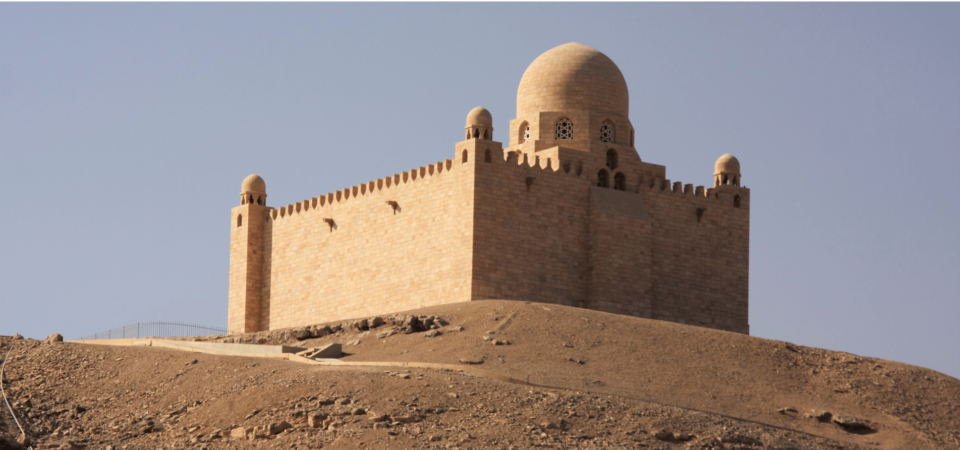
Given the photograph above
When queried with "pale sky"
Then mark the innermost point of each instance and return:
(126, 129)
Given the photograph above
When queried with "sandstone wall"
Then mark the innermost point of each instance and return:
(370, 260)
(482, 227)
(530, 239)
(640, 252)
(700, 268)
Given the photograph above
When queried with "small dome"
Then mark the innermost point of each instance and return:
(727, 164)
(479, 116)
(253, 184)
(573, 77)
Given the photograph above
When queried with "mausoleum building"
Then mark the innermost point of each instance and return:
(567, 213)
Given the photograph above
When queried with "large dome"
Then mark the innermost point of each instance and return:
(573, 77)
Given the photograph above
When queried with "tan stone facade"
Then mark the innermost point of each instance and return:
(567, 214)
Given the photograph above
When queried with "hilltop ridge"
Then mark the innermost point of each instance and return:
(614, 382)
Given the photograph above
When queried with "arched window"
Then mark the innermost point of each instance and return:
(612, 159)
(464, 156)
(603, 178)
(564, 129)
(736, 201)
(258, 200)
(239, 220)
(488, 157)
(251, 199)
(607, 132)
(620, 181)
(486, 135)
(476, 133)
(526, 133)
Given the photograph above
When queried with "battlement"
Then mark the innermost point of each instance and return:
(719, 195)
(732, 196)
(360, 190)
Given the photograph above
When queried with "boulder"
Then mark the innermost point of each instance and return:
(432, 333)
(300, 333)
(277, 428)
(375, 322)
(792, 412)
(854, 425)
(386, 333)
(259, 432)
(53, 338)
(241, 432)
(407, 419)
(669, 436)
(332, 423)
(316, 420)
(411, 324)
(427, 322)
(548, 425)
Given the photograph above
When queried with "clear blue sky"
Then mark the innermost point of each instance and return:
(126, 129)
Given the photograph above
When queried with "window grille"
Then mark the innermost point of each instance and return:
(606, 132)
(564, 129)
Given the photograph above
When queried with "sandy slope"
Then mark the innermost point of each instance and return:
(722, 387)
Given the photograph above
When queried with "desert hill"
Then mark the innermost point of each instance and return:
(604, 381)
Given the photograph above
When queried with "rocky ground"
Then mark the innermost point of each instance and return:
(606, 381)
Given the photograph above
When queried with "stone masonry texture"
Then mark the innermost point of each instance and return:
(580, 222)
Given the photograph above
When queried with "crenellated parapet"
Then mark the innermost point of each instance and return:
(355, 192)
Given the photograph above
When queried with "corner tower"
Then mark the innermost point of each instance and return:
(246, 256)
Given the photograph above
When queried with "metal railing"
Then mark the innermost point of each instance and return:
(156, 329)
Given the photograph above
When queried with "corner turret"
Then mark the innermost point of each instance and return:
(253, 190)
(726, 171)
(246, 256)
(479, 124)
